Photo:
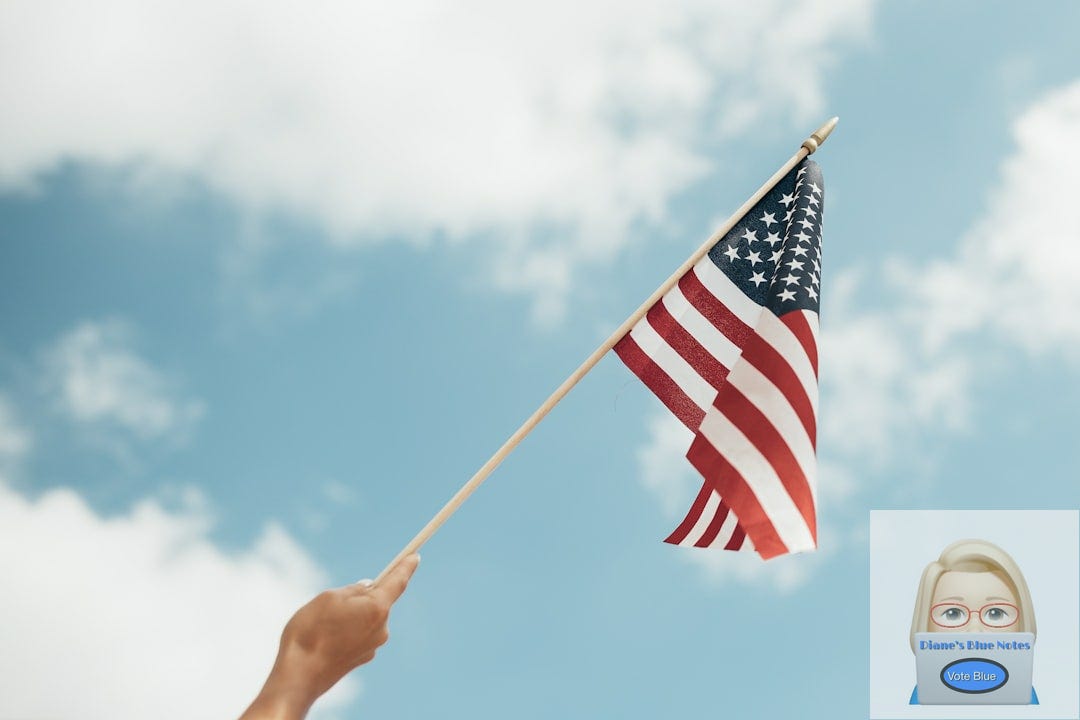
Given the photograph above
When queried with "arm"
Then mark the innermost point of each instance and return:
(334, 633)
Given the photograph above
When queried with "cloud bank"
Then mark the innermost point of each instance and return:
(546, 130)
(140, 615)
(1006, 287)
(1013, 276)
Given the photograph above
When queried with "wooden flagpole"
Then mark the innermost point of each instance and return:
(808, 147)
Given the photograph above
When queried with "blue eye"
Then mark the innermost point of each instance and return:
(950, 615)
(999, 615)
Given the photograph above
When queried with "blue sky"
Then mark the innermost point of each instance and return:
(275, 282)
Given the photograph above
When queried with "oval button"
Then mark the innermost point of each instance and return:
(974, 675)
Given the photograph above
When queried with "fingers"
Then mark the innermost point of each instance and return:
(391, 588)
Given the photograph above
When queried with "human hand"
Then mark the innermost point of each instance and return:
(331, 635)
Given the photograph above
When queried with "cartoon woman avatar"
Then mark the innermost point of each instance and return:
(974, 586)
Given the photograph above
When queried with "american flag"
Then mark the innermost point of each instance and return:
(731, 350)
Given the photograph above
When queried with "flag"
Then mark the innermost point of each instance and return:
(731, 350)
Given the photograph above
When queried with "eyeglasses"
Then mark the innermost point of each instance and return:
(954, 615)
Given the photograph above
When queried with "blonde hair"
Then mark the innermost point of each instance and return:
(972, 556)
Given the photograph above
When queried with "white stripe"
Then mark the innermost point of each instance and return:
(812, 319)
(767, 398)
(703, 520)
(700, 392)
(727, 292)
(773, 331)
(715, 342)
(762, 480)
(726, 530)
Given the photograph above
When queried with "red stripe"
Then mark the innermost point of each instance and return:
(755, 349)
(799, 326)
(737, 494)
(688, 523)
(682, 342)
(714, 310)
(772, 365)
(713, 530)
(757, 428)
(660, 383)
(736, 541)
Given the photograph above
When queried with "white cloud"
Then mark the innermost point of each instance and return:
(1014, 274)
(784, 573)
(911, 365)
(15, 440)
(379, 120)
(97, 378)
(665, 472)
(338, 493)
(140, 615)
(879, 384)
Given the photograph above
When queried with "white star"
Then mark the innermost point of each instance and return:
(800, 251)
(768, 219)
(817, 266)
(801, 236)
(791, 279)
(794, 264)
(749, 235)
(801, 172)
(790, 214)
(787, 199)
(813, 200)
(757, 278)
(806, 223)
(810, 212)
(775, 257)
(733, 253)
(815, 188)
(787, 295)
(772, 238)
(754, 258)
(811, 292)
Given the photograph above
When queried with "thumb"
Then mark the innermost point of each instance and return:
(391, 588)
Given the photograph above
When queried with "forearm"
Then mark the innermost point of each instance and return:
(276, 701)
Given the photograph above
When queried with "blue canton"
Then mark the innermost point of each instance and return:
(774, 252)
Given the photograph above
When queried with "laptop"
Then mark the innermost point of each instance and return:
(974, 668)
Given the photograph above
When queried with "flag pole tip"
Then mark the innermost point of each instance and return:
(820, 135)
